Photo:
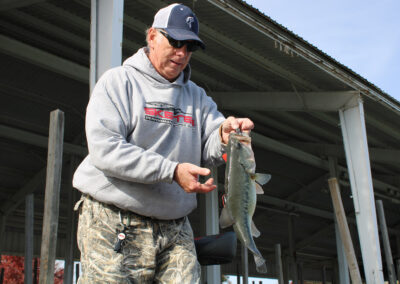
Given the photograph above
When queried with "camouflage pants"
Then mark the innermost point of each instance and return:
(154, 251)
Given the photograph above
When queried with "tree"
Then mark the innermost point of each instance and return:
(14, 270)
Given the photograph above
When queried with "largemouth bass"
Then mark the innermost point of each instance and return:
(241, 186)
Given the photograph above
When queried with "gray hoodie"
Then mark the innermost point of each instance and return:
(139, 126)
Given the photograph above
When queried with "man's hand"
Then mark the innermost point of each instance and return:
(186, 175)
(233, 123)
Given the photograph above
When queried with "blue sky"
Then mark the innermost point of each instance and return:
(362, 35)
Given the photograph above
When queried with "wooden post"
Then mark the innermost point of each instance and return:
(29, 219)
(386, 243)
(344, 230)
(343, 267)
(52, 198)
(278, 263)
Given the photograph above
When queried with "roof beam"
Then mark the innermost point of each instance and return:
(13, 202)
(14, 4)
(382, 125)
(309, 159)
(44, 59)
(312, 186)
(44, 26)
(271, 122)
(322, 132)
(334, 121)
(380, 155)
(284, 101)
(38, 140)
(282, 203)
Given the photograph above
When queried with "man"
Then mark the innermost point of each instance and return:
(149, 128)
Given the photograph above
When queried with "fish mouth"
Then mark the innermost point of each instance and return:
(241, 138)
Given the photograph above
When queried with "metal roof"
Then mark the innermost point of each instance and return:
(251, 64)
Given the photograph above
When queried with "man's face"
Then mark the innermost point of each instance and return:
(167, 60)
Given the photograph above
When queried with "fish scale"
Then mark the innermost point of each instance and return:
(240, 191)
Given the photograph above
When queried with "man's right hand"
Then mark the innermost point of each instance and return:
(187, 175)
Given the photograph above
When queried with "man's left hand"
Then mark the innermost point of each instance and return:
(233, 123)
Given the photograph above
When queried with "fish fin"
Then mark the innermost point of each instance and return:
(254, 231)
(262, 178)
(226, 219)
(261, 266)
(259, 189)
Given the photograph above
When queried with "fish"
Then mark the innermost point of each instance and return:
(242, 185)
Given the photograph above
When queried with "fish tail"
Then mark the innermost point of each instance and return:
(261, 266)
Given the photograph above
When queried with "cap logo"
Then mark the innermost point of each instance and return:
(189, 21)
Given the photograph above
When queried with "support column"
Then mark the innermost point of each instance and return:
(356, 147)
(324, 274)
(245, 264)
(343, 266)
(29, 223)
(386, 243)
(52, 198)
(105, 37)
(211, 217)
(286, 269)
(292, 254)
(300, 269)
(278, 263)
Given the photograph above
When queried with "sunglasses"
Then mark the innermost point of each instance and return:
(191, 46)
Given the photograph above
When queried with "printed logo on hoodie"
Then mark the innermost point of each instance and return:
(167, 113)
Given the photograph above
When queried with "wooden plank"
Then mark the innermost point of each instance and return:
(386, 242)
(29, 219)
(52, 198)
(344, 230)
